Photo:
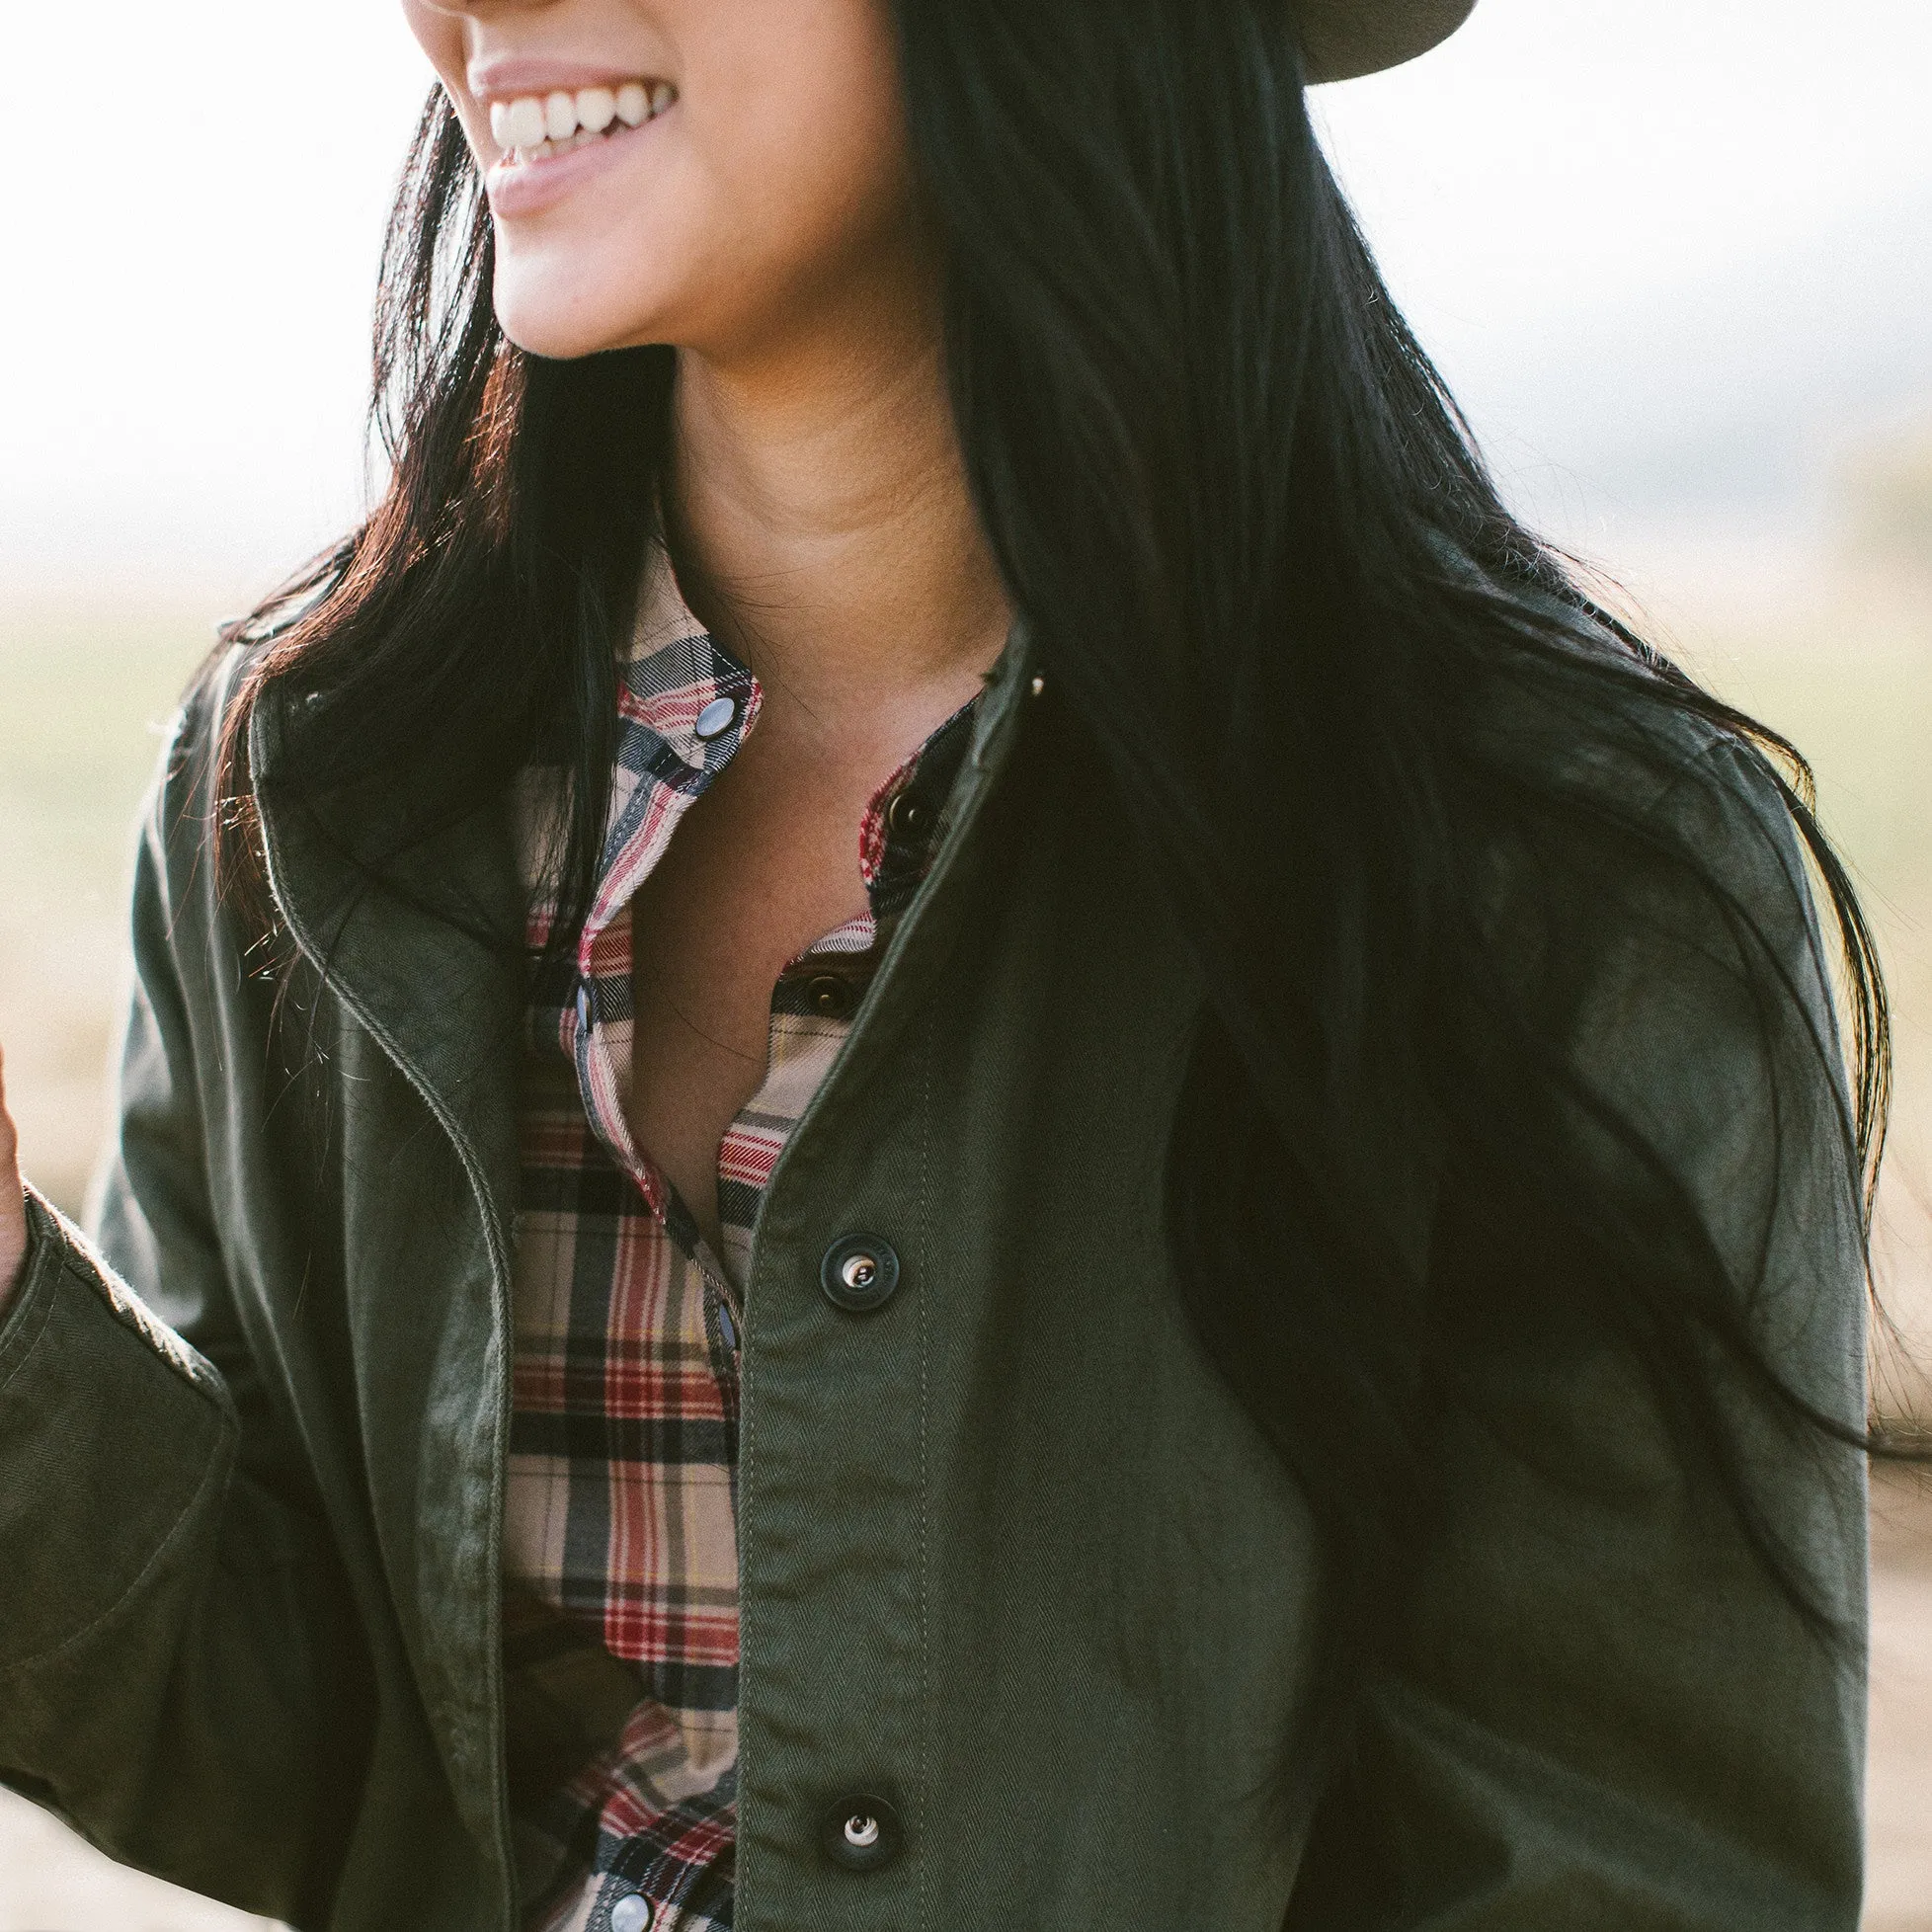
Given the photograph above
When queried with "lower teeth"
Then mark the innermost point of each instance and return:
(547, 150)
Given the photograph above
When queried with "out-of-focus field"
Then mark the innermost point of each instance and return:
(82, 703)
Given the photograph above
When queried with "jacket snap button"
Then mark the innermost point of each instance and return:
(631, 1914)
(906, 816)
(829, 995)
(716, 719)
(863, 1833)
(860, 1273)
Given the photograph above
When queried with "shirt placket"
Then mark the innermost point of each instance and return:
(677, 739)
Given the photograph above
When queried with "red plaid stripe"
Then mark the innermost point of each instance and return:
(620, 1551)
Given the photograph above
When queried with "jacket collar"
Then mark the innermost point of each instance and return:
(429, 959)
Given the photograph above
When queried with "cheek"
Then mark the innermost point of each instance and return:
(819, 157)
(439, 33)
(817, 183)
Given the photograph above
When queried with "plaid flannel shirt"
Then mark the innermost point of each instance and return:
(620, 1576)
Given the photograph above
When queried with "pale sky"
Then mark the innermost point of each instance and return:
(1672, 252)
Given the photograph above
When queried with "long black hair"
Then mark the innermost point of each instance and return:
(1279, 605)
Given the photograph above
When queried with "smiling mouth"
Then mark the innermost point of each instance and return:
(539, 126)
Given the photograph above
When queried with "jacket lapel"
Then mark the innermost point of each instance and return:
(428, 959)
(428, 964)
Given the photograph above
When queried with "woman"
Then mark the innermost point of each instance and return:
(944, 1107)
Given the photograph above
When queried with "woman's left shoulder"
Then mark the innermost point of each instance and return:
(1610, 793)
(1648, 887)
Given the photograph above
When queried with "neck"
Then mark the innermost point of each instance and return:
(821, 515)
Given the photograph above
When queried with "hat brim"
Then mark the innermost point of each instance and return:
(1343, 39)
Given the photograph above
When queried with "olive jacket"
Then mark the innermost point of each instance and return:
(1012, 1557)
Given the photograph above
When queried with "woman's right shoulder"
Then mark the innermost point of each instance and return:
(187, 772)
(206, 745)
(198, 858)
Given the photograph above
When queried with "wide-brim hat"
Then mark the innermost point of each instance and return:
(1343, 39)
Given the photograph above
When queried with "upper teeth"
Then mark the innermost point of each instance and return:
(545, 121)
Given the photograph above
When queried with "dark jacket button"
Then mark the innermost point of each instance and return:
(860, 1273)
(907, 816)
(829, 995)
(862, 1833)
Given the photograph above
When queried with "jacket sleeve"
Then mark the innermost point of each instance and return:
(1601, 1711)
(170, 1619)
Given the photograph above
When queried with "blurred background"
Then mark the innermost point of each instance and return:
(1674, 256)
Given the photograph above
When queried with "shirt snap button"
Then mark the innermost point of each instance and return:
(862, 1833)
(860, 1273)
(583, 1008)
(829, 996)
(716, 719)
(631, 1914)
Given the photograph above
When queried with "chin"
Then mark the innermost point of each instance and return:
(544, 316)
(555, 338)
